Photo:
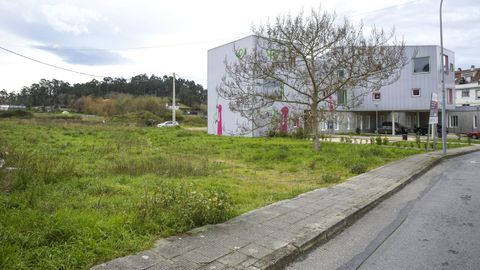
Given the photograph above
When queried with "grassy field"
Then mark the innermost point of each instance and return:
(77, 194)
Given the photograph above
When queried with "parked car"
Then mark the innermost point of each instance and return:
(423, 130)
(474, 134)
(168, 124)
(386, 128)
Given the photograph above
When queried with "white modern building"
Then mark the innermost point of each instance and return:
(407, 101)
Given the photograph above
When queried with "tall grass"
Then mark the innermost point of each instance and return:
(162, 165)
(83, 194)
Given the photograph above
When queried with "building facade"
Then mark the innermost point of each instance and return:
(406, 101)
(464, 119)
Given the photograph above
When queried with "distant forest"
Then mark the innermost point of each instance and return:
(59, 93)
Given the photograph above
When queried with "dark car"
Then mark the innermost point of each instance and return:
(423, 130)
(474, 134)
(386, 128)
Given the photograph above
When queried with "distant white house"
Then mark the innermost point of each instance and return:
(468, 94)
(407, 101)
(12, 108)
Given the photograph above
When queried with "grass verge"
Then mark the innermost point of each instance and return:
(75, 195)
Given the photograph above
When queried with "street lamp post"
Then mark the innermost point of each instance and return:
(444, 126)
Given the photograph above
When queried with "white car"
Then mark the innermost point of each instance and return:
(168, 124)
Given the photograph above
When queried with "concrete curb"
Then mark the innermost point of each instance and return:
(273, 236)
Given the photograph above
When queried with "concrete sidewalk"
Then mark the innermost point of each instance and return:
(270, 237)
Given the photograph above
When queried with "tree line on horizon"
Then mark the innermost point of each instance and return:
(63, 94)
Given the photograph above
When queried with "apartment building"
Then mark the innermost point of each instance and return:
(406, 101)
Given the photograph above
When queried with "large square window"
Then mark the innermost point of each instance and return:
(376, 96)
(421, 64)
(465, 93)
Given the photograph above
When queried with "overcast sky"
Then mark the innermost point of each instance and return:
(123, 38)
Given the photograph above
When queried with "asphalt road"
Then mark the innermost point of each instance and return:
(433, 223)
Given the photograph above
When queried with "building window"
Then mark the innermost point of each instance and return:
(360, 122)
(450, 96)
(465, 93)
(367, 121)
(342, 97)
(451, 67)
(336, 125)
(348, 122)
(478, 94)
(376, 96)
(323, 125)
(453, 121)
(341, 73)
(445, 62)
(415, 92)
(475, 121)
(421, 64)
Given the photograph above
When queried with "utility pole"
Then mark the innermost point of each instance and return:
(173, 100)
(444, 117)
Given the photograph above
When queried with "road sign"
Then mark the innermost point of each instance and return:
(433, 119)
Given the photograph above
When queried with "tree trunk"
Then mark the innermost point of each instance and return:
(314, 123)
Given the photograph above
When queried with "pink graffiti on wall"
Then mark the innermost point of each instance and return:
(219, 120)
(284, 127)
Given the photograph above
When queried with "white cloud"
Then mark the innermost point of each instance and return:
(66, 18)
(188, 28)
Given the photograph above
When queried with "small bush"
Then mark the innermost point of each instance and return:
(299, 133)
(182, 206)
(385, 140)
(330, 178)
(378, 140)
(358, 168)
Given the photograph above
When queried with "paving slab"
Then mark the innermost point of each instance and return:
(272, 236)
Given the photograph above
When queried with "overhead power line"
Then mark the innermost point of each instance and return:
(51, 65)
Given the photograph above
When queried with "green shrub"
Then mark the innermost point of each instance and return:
(378, 140)
(385, 140)
(182, 206)
(358, 168)
(330, 178)
(299, 133)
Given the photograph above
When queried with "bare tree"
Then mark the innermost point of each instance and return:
(303, 61)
